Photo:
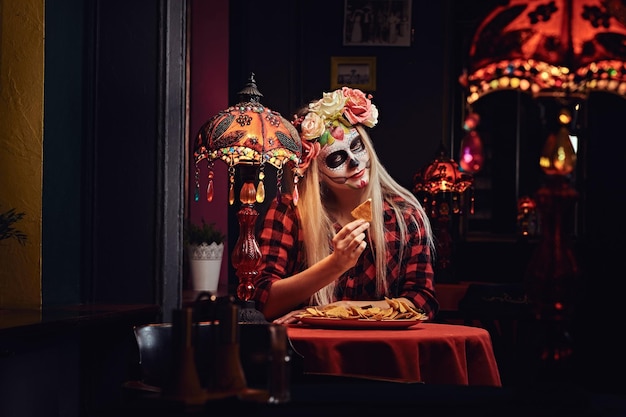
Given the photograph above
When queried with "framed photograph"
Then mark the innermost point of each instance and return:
(353, 71)
(377, 23)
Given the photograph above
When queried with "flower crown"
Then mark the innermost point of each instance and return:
(329, 118)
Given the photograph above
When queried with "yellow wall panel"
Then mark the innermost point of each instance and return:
(21, 147)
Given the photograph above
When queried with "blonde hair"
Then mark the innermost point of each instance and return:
(318, 228)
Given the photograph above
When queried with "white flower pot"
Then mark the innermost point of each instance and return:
(205, 262)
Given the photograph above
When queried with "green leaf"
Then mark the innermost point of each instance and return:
(7, 231)
(207, 232)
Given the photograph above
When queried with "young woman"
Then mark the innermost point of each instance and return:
(313, 251)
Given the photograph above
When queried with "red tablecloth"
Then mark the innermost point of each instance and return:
(427, 352)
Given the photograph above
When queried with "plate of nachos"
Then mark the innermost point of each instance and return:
(398, 315)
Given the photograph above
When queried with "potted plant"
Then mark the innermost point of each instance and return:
(7, 231)
(205, 247)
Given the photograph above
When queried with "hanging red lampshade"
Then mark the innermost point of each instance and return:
(556, 47)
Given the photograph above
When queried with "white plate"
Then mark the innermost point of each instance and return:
(327, 322)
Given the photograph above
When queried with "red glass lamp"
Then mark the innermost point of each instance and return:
(247, 136)
(441, 176)
(440, 186)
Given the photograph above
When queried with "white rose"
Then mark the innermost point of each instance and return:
(331, 105)
(312, 126)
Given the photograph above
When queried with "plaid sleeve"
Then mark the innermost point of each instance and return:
(418, 274)
(279, 243)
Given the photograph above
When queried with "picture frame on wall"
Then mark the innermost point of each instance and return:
(377, 23)
(353, 71)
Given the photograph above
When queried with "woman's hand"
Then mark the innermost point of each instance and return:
(349, 243)
(289, 318)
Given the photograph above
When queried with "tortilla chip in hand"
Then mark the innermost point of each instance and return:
(363, 211)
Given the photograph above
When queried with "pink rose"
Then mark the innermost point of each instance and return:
(359, 108)
(337, 132)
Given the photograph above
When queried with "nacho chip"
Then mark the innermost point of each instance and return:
(363, 211)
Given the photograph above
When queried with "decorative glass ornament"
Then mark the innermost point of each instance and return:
(471, 155)
(558, 156)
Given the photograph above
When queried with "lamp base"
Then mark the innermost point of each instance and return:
(249, 314)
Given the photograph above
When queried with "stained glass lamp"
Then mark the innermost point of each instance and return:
(248, 137)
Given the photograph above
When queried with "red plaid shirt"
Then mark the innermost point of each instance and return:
(282, 248)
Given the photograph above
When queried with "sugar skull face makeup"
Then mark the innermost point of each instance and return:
(345, 162)
(333, 118)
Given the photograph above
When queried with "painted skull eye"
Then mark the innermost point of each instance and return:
(337, 158)
(357, 145)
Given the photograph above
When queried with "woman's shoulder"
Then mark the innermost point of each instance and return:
(282, 204)
(400, 202)
(281, 214)
(409, 209)
(285, 199)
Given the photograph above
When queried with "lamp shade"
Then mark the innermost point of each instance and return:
(249, 133)
(442, 175)
(555, 47)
